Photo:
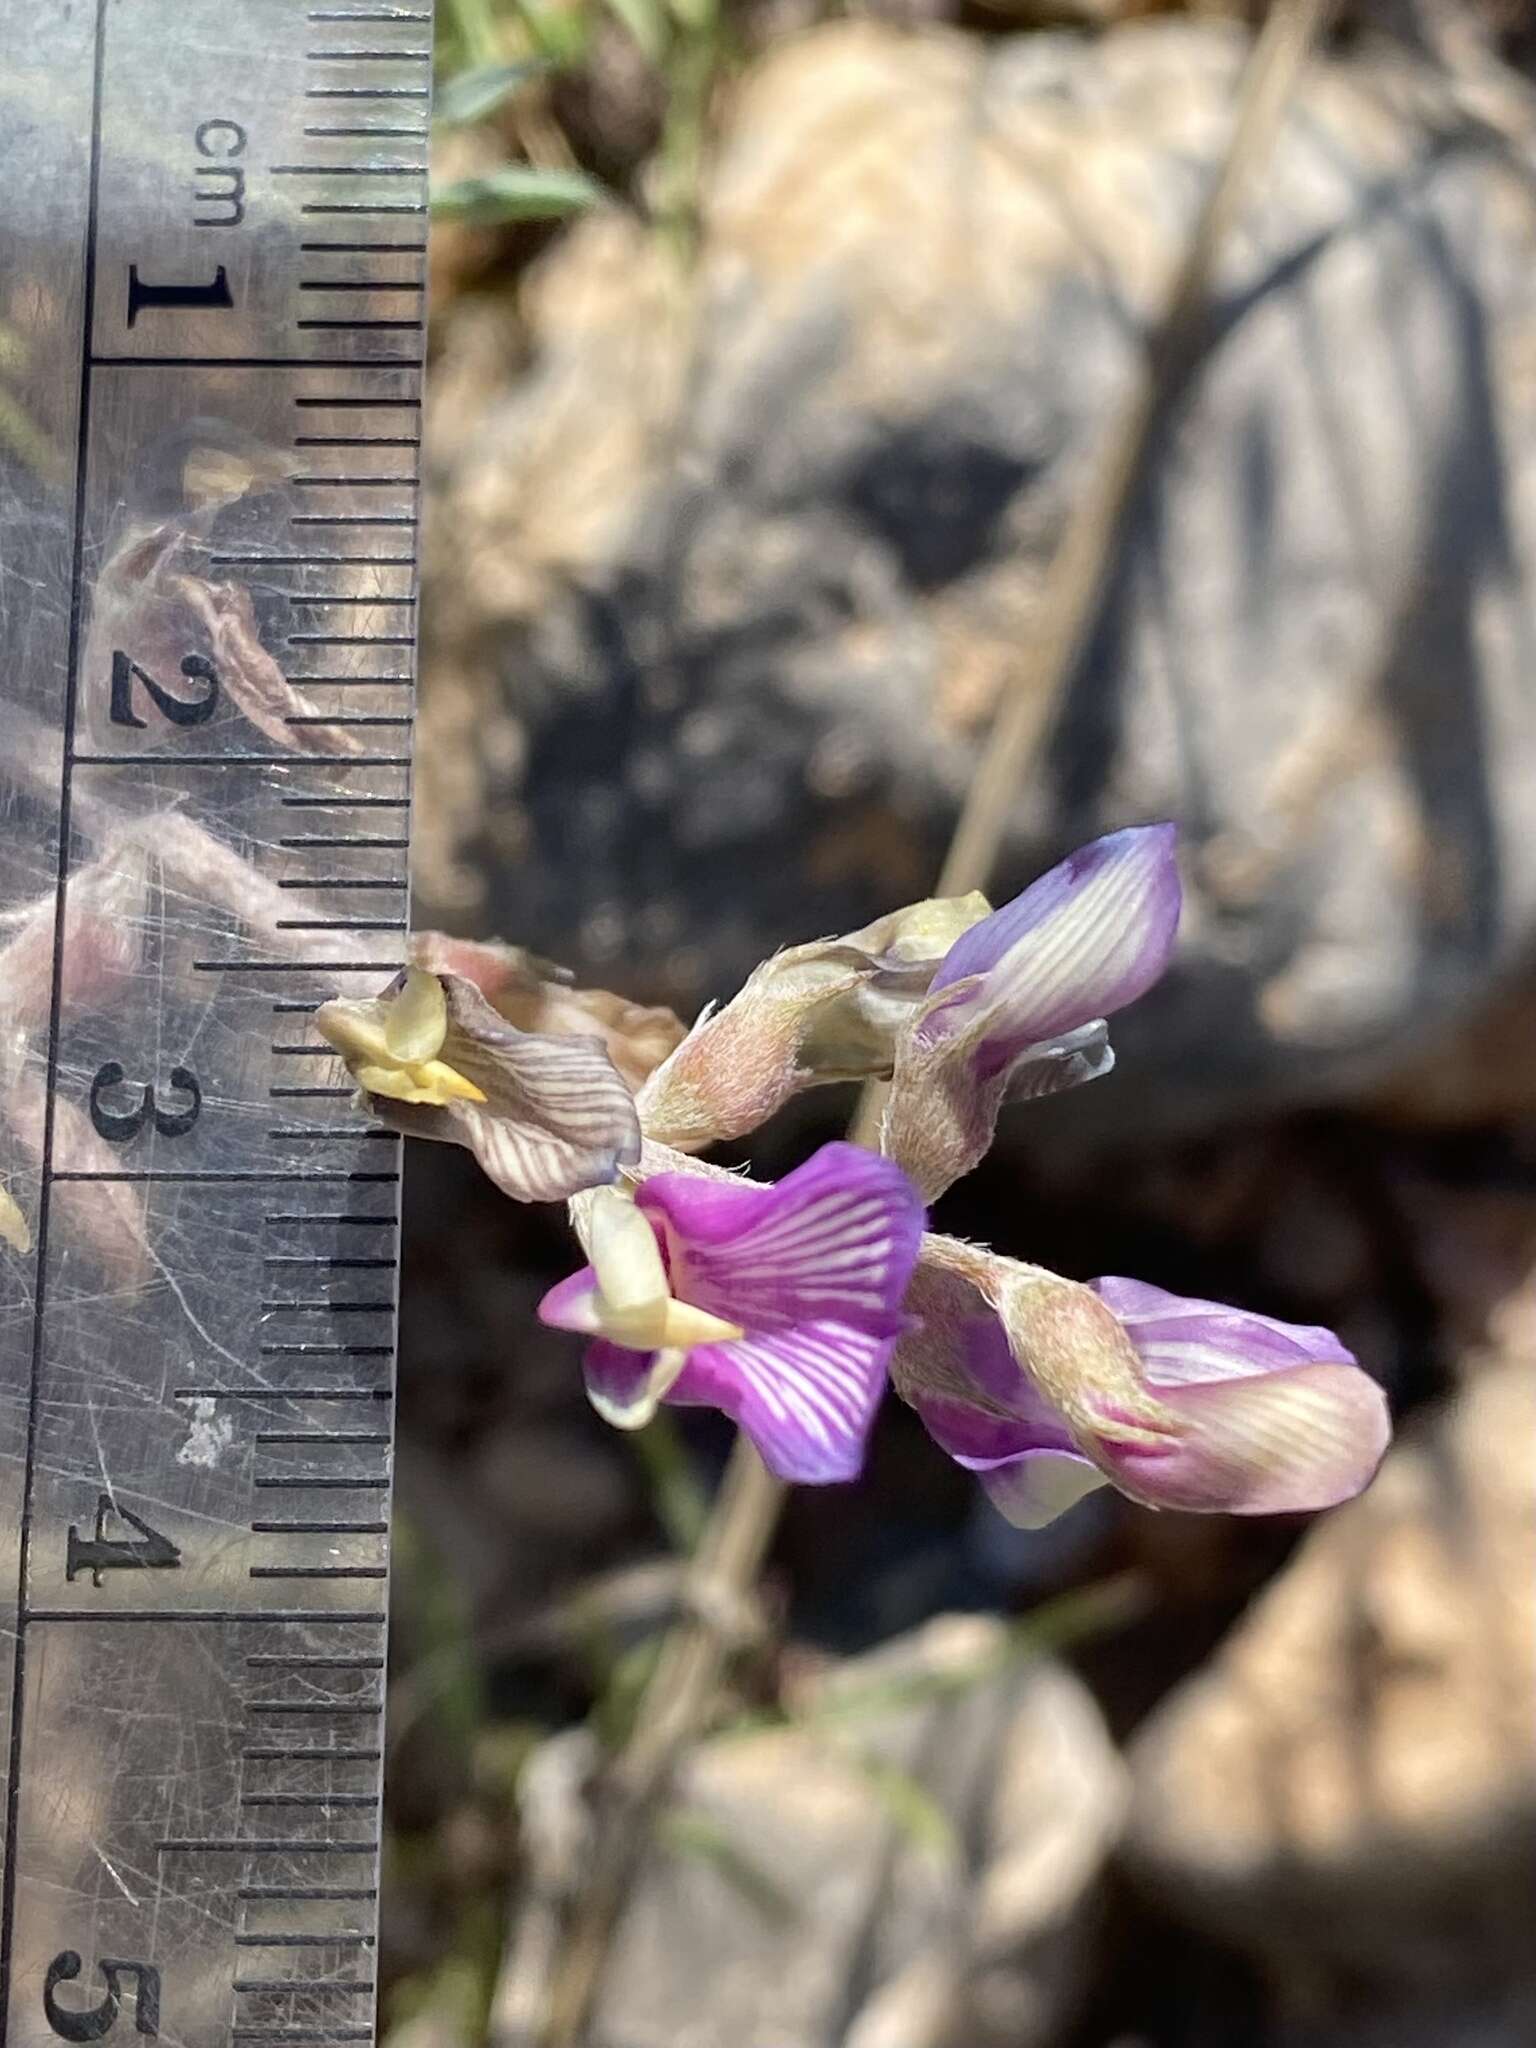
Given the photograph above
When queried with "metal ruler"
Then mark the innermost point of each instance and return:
(212, 261)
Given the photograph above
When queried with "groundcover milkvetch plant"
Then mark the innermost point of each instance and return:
(791, 1307)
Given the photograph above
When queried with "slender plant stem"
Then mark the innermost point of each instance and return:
(745, 1514)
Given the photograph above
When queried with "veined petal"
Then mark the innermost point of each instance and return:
(537, 996)
(1017, 1009)
(1082, 942)
(1271, 1417)
(806, 1395)
(1068, 1061)
(555, 1115)
(1180, 1403)
(1280, 1442)
(1183, 1340)
(836, 1240)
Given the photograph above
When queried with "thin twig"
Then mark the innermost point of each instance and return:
(745, 1514)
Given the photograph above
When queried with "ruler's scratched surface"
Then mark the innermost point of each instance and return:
(212, 237)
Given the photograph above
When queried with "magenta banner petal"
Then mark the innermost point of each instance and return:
(780, 1306)
(806, 1396)
(837, 1238)
(1269, 1417)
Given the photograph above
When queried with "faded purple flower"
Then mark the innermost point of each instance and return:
(546, 1116)
(1179, 1403)
(1018, 1006)
(778, 1305)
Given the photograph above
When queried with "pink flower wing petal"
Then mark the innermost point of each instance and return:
(1279, 1442)
(806, 1397)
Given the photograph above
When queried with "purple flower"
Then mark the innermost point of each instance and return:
(778, 1305)
(1179, 1403)
(1017, 1007)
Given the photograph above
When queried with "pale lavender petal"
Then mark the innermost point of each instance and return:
(1034, 1488)
(1060, 1063)
(1082, 942)
(806, 1396)
(625, 1387)
(834, 1241)
(1265, 1417)
(1278, 1442)
(1184, 1341)
(569, 1303)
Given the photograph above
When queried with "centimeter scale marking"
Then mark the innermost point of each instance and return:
(198, 1355)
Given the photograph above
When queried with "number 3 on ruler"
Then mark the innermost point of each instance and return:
(117, 1126)
(99, 2020)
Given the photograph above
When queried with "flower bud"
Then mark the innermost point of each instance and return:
(831, 1010)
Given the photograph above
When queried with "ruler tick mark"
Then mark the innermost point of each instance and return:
(348, 170)
(383, 284)
(364, 1894)
(336, 483)
(268, 1437)
(283, 1662)
(341, 882)
(322, 1571)
(307, 1799)
(329, 1482)
(283, 1984)
(292, 1938)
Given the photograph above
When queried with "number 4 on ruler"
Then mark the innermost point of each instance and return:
(99, 1553)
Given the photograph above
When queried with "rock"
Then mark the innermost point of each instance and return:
(729, 582)
(920, 1869)
(1348, 1791)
